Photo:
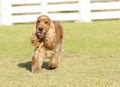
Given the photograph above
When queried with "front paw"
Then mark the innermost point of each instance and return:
(36, 69)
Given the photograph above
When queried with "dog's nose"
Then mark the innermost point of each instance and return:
(40, 29)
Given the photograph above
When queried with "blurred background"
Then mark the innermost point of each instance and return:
(25, 11)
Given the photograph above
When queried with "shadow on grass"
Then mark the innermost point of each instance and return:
(28, 65)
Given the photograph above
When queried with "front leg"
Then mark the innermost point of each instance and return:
(37, 59)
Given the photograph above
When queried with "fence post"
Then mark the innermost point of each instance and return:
(44, 7)
(85, 10)
(5, 12)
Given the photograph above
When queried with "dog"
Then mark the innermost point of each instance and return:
(47, 38)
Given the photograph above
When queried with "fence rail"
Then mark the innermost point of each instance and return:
(20, 11)
(106, 10)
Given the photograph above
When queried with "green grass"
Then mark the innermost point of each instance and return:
(91, 56)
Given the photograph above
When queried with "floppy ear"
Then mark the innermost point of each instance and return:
(34, 40)
(34, 28)
(50, 39)
(51, 31)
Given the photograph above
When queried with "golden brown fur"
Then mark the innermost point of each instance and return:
(47, 38)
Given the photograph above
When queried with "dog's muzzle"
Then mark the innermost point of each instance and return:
(40, 33)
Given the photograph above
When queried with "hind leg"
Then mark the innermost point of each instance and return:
(55, 60)
(53, 63)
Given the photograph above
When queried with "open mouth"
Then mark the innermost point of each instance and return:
(40, 34)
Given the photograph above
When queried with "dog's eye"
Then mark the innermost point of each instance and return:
(38, 21)
(46, 22)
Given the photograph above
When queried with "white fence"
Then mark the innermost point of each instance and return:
(21, 11)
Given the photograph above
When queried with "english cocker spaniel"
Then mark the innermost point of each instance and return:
(47, 38)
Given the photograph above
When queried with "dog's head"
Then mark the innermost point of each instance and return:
(42, 26)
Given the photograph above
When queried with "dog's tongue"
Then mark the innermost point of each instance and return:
(40, 33)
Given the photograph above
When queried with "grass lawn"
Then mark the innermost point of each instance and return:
(91, 56)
